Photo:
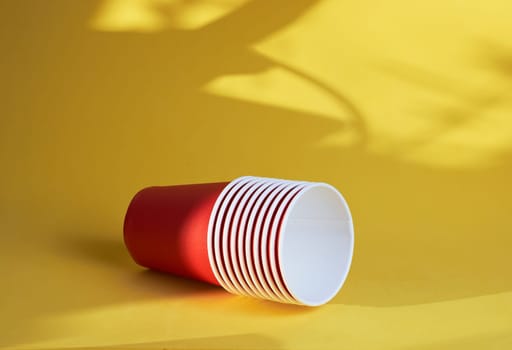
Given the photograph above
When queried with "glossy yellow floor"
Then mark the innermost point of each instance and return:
(405, 106)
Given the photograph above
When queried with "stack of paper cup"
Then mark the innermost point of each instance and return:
(287, 241)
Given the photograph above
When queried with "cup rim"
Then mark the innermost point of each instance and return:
(273, 233)
(245, 240)
(348, 251)
(213, 225)
(252, 253)
(232, 220)
(237, 236)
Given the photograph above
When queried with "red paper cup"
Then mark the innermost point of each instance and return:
(166, 229)
(286, 241)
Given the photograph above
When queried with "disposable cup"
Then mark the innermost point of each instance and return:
(287, 241)
(315, 244)
(165, 228)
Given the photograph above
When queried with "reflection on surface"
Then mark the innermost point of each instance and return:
(480, 320)
(228, 342)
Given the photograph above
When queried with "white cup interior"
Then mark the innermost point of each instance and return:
(316, 244)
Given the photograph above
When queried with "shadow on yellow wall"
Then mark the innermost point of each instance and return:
(89, 117)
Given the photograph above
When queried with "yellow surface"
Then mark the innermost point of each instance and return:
(405, 106)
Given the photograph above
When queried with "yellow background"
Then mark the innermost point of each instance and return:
(405, 106)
